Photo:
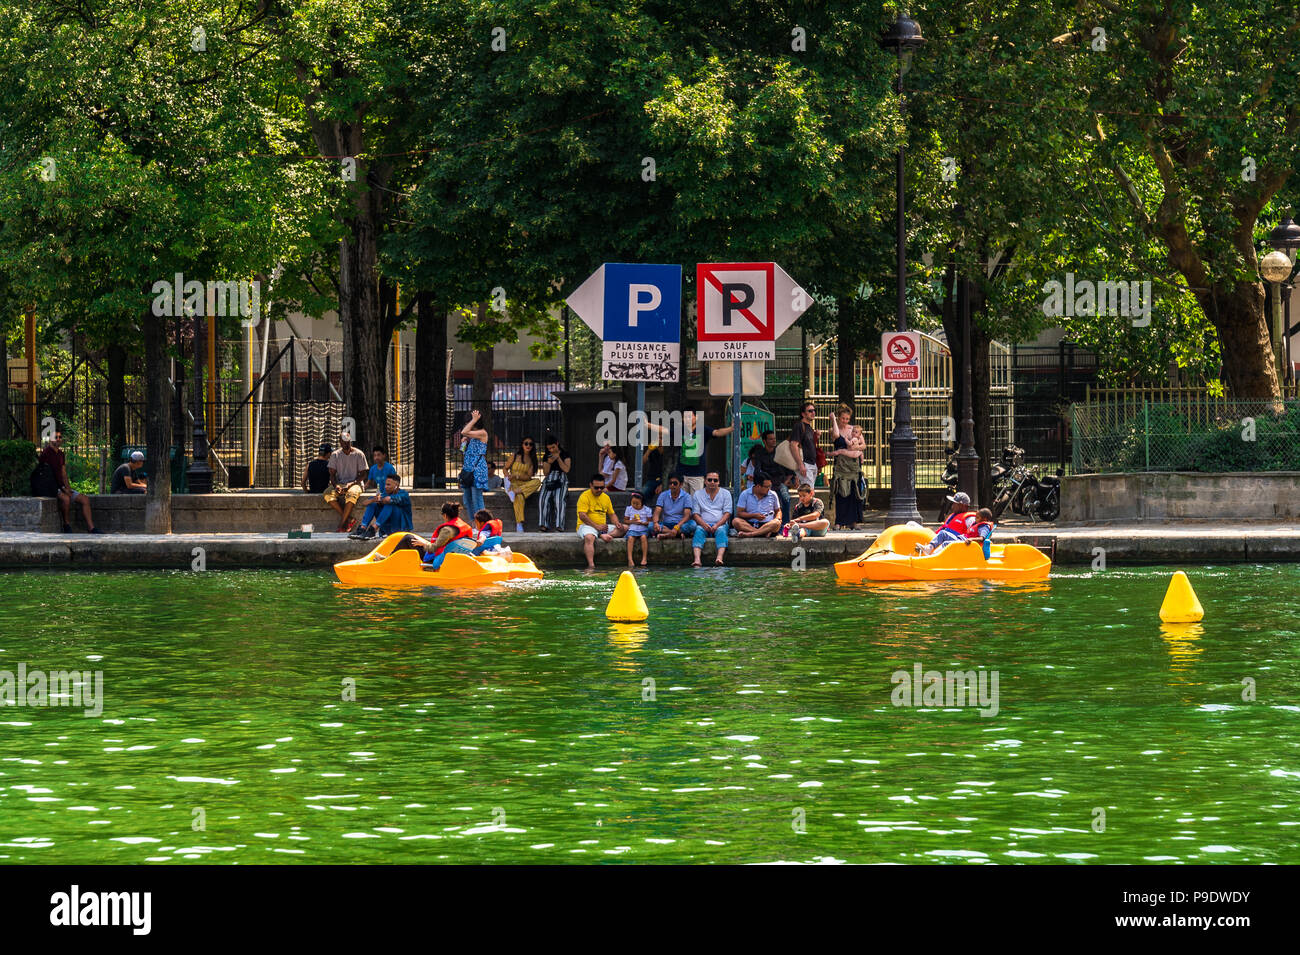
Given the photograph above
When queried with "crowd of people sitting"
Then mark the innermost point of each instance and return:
(707, 513)
(777, 498)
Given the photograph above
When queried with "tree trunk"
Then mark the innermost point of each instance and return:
(430, 391)
(363, 343)
(360, 312)
(981, 381)
(117, 400)
(846, 353)
(157, 426)
(1239, 318)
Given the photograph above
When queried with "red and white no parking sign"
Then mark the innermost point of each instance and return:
(900, 356)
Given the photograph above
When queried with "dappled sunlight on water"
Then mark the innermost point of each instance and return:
(750, 719)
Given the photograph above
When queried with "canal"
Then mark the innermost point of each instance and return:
(277, 716)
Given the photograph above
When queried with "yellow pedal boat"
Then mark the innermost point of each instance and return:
(383, 567)
(892, 556)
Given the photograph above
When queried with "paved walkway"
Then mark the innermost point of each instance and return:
(1173, 543)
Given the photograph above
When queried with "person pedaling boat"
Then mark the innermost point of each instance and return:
(959, 526)
(487, 534)
(452, 535)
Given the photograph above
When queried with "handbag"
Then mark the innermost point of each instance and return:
(821, 459)
(466, 478)
(785, 457)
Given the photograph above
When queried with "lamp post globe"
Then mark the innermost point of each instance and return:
(1275, 267)
(1285, 238)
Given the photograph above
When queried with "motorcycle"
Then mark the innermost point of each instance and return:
(1046, 504)
(1011, 456)
(1026, 493)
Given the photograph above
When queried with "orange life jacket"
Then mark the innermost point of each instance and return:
(490, 529)
(960, 524)
(460, 527)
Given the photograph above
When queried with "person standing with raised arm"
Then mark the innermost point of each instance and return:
(474, 464)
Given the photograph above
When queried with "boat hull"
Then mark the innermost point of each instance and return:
(384, 567)
(891, 557)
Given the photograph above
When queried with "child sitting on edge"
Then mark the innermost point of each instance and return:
(487, 534)
(637, 517)
(956, 528)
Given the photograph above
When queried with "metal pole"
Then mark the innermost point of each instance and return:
(1286, 328)
(737, 384)
(199, 475)
(968, 460)
(640, 430)
(567, 377)
(29, 342)
(178, 382)
(1277, 328)
(211, 413)
(902, 442)
(1146, 432)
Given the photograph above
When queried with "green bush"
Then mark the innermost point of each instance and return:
(17, 458)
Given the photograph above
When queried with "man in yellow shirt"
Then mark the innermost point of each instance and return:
(595, 514)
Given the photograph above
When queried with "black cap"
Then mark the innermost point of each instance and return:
(325, 448)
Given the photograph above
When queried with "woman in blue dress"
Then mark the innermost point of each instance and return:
(474, 450)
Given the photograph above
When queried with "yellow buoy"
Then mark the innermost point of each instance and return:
(627, 605)
(1181, 605)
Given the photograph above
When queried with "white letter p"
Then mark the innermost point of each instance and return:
(635, 305)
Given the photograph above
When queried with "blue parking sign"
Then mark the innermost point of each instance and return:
(636, 311)
(643, 303)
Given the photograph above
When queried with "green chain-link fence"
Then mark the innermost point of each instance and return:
(1207, 435)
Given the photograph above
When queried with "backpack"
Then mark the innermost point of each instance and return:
(43, 481)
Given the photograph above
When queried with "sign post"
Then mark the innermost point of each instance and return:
(635, 310)
(737, 400)
(900, 356)
(742, 309)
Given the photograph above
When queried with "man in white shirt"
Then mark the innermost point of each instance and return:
(712, 515)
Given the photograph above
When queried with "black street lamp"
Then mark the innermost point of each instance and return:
(903, 36)
(198, 476)
(1286, 239)
(968, 459)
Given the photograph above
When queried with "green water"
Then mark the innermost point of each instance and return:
(510, 725)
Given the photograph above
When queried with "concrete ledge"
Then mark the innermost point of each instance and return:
(1176, 543)
(1181, 495)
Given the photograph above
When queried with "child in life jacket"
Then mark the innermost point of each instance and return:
(982, 531)
(956, 528)
(487, 534)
